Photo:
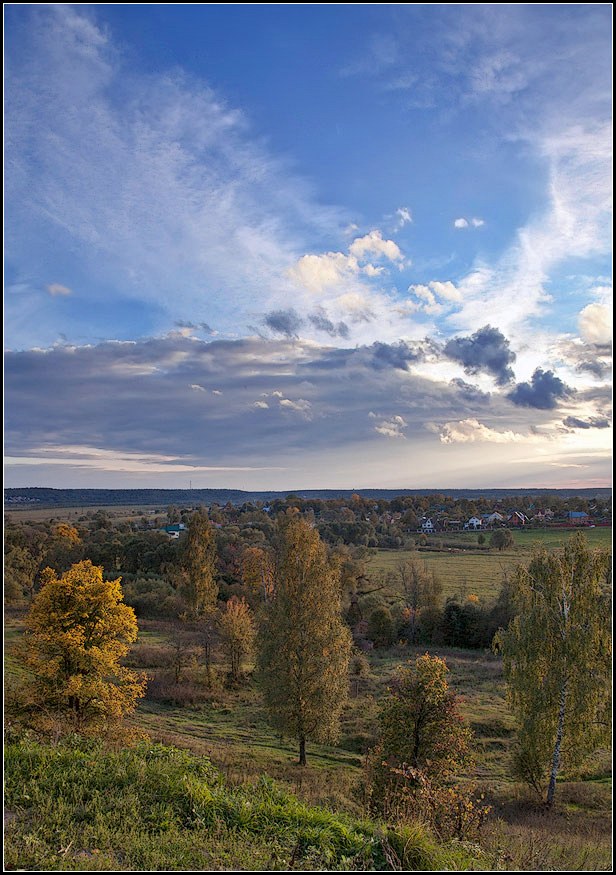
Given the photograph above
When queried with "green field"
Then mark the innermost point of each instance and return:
(480, 571)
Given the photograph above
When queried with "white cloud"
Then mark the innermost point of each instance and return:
(262, 405)
(477, 223)
(404, 217)
(472, 431)
(460, 223)
(373, 244)
(595, 323)
(596, 319)
(427, 295)
(301, 406)
(55, 289)
(197, 387)
(392, 428)
(575, 224)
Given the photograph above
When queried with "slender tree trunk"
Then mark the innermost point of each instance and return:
(302, 750)
(559, 737)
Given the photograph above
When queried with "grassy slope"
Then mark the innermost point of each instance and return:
(155, 808)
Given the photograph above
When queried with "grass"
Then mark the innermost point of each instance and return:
(480, 571)
(151, 808)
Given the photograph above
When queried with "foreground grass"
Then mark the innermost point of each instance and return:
(153, 808)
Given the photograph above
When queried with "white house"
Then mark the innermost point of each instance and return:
(474, 523)
(427, 526)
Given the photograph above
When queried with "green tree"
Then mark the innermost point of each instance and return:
(421, 591)
(381, 629)
(304, 647)
(556, 656)
(198, 567)
(77, 631)
(502, 539)
(422, 736)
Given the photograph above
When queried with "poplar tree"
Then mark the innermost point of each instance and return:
(557, 656)
(198, 567)
(304, 646)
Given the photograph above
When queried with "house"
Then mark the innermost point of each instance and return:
(493, 519)
(517, 519)
(452, 525)
(578, 517)
(474, 523)
(174, 530)
(427, 526)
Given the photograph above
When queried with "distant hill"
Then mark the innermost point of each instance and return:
(44, 497)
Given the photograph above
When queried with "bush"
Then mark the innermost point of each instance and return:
(381, 629)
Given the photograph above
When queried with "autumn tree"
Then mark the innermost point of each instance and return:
(381, 629)
(556, 657)
(20, 569)
(421, 592)
(422, 739)
(237, 630)
(197, 581)
(258, 572)
(198, 567)
(304, 647)
(77, 631)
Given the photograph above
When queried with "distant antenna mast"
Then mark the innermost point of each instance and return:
(190, 481)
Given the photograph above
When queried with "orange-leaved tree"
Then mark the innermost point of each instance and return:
(77, 631)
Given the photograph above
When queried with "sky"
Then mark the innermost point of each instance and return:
(308, 246)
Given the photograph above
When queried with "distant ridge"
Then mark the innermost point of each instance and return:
(45, 497)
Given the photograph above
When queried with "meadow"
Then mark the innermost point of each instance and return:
(464, 571)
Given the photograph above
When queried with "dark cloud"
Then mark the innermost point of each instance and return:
(486, 350)
(287, 322)
(322, 323)
(139, 397)
(592, 422)
(469, 392)
(543, 392)
(396, 355)
(596, 367)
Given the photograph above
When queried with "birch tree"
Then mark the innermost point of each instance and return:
(557, 655)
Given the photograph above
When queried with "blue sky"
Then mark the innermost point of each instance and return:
(308, 246)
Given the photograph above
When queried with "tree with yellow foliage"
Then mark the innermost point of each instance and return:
(304, 647)
(237, 629)
(258, 572)
(77, 631)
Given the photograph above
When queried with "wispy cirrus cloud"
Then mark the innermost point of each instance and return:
(159, 188)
